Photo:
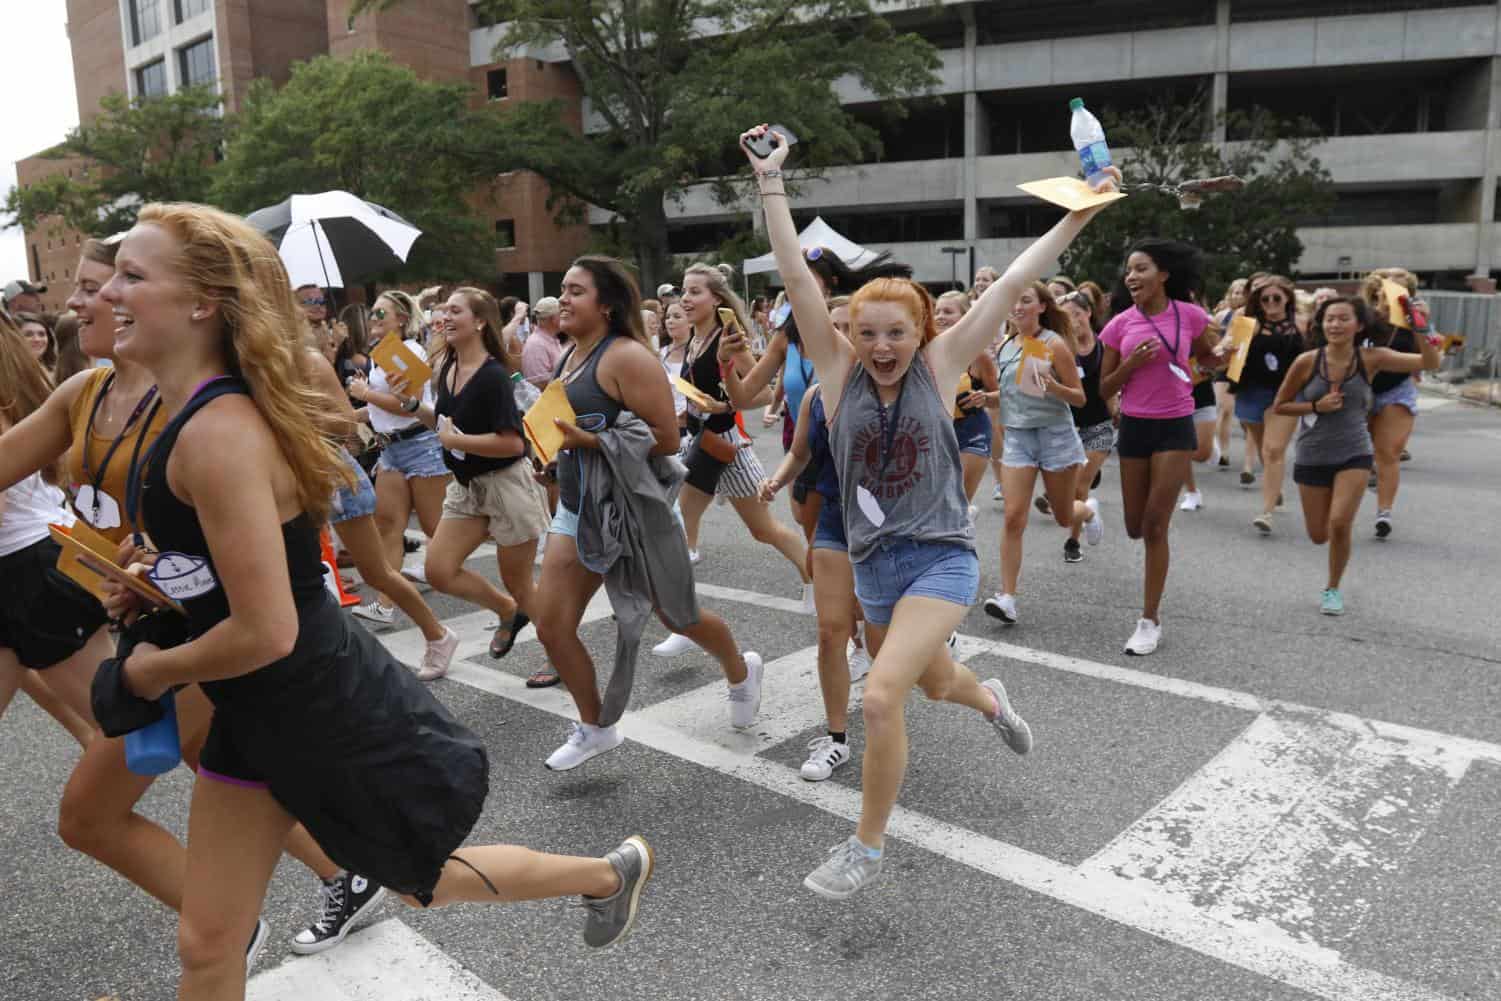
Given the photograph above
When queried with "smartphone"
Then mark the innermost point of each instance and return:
(763, 146)
(727, 318)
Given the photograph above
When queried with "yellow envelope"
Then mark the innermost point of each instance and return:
(694, 395)
(538, 421)
(1070, 193)
(1032, 347)
(1242, 329)
(396, 359)
(1395, 314)
(85, 560)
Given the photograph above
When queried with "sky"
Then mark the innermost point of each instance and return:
(36, 75)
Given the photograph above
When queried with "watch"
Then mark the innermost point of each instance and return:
(412, 405)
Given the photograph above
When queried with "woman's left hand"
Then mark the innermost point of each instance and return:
(975, 401)
(138, 677)
(574, 437)
(717, 407)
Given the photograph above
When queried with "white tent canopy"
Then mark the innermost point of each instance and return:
(817, 234)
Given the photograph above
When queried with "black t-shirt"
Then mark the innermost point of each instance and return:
(1398, 339)
(486, 405)
(1094, 410)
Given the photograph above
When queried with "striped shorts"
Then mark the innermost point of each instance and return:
(740, 478)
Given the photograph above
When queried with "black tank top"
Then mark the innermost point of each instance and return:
(1094, 410)
(594, 409)
(703, 373)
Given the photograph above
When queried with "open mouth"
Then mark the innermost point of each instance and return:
(884, 366)
(123, 322)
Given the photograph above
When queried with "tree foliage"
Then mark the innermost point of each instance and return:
(1254, 229)
(138, 151)
(672, 83)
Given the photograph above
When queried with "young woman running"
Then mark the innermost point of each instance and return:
(1095, 421)
(611, 369)
(674, 354)
(974, 401)
(1148, 352)
(1395, 407)
(1206, 419)
(906, 523)
(1273, 348)
(410, 473)
(1224, 400)
(313, 719)
(1036, 395)
(1329, 390)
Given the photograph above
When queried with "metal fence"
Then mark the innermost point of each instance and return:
(1476, 316)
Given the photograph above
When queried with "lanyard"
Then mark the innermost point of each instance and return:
(888, 427)
(136, 473)
(1177, 332)
(96, 479)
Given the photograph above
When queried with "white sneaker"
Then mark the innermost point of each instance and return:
(1094, 528)
(808, 605)
(374, 611)
(693, 556)
(1192, 501)
(1142, 642)
(1003, 607)
(859, 664)
(1214, 454)
(953, 644)
(745, 698)
(584, 742)
(996, 495)
(674, 646)
(824, 755)
(438, 656)
(1007, 721)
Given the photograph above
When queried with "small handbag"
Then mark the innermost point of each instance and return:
(714, 446)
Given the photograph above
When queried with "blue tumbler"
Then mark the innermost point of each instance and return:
(153, 749)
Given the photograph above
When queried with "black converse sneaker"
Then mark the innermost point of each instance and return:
(347, 898)
(253, 947)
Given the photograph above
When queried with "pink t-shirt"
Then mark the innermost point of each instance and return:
(1162, 387)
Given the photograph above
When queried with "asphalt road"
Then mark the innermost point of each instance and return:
(1276, 805)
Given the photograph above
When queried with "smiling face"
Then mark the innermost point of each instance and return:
(386, 317)
(1273, 299)
(579, 311)
(946, 313)
(886, 339)
(96, 324)
(314, 304)
(1079, 317)
(459, 322)
(1144, 279)
(36, 337)
(698, 301)
(678, 327)
(1341, 325)
(1026, 315)
(153, 306)
(984, 278)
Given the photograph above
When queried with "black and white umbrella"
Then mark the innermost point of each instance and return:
(333, 238)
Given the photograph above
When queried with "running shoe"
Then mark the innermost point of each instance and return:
(347, 899)
(693, 556)
(1224, 461)
(1247, 477)
(374, 611)
(849, 867)
(438, 656)
(257, 940)
(611, 918)
(1193, 500)
(1071, 551)
(1383, 524)
(411, 545)
(1215, 458)
(1333, 603)
(824, 755)
(859, 664)
(953, 643)
(808, 605)
(1095, 483)
(1263, 522)
(995, 494)
(1007, 721)
(1041, 503)
(674, 646)
(1406, 456)
(745, 698)
(1003, 607)
(584, 742)
(1094, 528)
(1144, 641)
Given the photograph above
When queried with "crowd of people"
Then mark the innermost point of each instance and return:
(218, 425)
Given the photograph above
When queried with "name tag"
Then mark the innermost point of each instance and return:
(182, 576)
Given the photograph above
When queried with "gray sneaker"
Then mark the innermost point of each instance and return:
(847, 870)
(1008, 722)
(610, 918)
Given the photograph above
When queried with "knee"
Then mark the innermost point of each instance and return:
(766, 531)
(1388, 454)
(82, 827)
(1016, 520)
(204, 945)
(1064, 515)
(1341, 527)
(386, 523)
(833, 636)
(552, 627)
(1133, 528)
(439, 575)
(882, 708)
(937, 690)
(1154, 528)
(1273, 453)
(1318, 536)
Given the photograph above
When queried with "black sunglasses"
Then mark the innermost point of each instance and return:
(314, 302)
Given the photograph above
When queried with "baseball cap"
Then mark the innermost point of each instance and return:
(546, 306)
(666, 289)
(21, 287)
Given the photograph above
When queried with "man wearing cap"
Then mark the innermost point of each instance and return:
(21, 296)
(543, 349)
(667, 293)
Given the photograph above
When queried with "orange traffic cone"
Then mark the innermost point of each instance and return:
(331, 572)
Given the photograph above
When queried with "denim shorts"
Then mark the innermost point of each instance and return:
(566, 522)
(414, 458)
(974, 432)
(829, 532)
(358, 502)
(1251, 403)
(1403, 395)
(902, 568)
(1051, 448)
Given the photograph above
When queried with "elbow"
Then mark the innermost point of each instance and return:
(275, 642)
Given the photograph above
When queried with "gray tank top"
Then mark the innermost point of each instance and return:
(1339, 435)
(1018, 409)
(899, 467)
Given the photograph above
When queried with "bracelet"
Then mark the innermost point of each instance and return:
(411, 406)
(768, 173)
(773, 194)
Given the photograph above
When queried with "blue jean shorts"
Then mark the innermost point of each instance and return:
(1251, 403)
(974, 432)
(1405, 394)
(358, 502)
(566, 522)
(414, 457)
(902, 568)
(829, 532)
(1050, 448)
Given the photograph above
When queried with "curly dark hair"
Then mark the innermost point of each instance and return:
(1182, 262)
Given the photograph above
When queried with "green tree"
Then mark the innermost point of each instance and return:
(672, 83)
(1254, 229)
(373, 128)
(136, 151)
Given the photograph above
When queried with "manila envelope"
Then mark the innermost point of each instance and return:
(396, 359)
(1395, 314)
(85, 561)
(1070, 193)
(1242, 329)
(692, 393)
(544, 435)
(1032, 347)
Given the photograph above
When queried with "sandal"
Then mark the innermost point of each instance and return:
(543, 677)
(510, 628)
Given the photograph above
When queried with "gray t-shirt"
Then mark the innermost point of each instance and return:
(899, 469)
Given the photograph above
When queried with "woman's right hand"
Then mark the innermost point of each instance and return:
(731, 343)
(777, 156)
(1141, 354)
(1330, 402)
(769, 488)
(358, 388)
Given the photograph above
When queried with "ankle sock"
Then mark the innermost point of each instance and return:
(838, 736)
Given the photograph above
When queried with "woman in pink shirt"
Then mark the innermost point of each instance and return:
(1148, 348)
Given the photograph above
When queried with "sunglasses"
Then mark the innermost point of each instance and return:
(314, 302)
(378, 313)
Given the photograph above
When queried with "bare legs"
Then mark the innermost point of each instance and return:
(362, 538)
(1069, 512)
(1149, 492)
(1329, 514)
(834, 599)
(766, 529)
(454, 542)
(1276, 433)
(1390, 429)
(396, 497)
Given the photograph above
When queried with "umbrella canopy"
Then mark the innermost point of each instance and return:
(817, 234)
(334, 238)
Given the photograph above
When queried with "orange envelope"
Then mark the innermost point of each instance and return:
(85, 561)
(396, 359)
(1242, 329)
(1395, 314)
(1070, 193)
(538, 421)
(692, 393)
(1032, 347)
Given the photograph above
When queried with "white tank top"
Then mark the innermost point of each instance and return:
(391, 423)
(30, 506)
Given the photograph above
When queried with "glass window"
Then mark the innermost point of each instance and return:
(495, 84)
(145, 20)
(196, 63)
(505, 234)
(151, 79)
(191, 8)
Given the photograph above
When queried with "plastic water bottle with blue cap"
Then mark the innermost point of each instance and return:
(154, 749)
(1089, 140)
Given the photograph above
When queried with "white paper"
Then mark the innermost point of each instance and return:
(869, 507)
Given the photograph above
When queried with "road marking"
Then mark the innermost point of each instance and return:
(385, 962)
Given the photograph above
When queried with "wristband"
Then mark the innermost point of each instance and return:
(768, 173)
(412, 405)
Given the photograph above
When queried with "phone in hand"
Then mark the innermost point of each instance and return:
(727, 318)
(768, 141)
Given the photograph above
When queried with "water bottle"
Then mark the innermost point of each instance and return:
(153, 750)
(1089, 140)
(526, 394)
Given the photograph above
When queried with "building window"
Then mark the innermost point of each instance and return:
(145, 20)
(505, 234)
(195, 63)
(495, 84)
(151, 79)
(191, 8)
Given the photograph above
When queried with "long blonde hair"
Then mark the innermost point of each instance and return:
(226, 261)
(717, 277)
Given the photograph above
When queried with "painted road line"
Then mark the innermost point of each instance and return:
(1293, 828)
(385, 962)
(1131, 903)
(474, 630)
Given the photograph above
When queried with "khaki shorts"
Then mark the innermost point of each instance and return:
(515, 504)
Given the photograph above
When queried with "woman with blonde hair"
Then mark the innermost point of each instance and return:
(1394, 406)
(974, 402)
(1274, 346)
(1224, 400)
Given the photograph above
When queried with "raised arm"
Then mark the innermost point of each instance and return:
(1387, 360)
(743, 391)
